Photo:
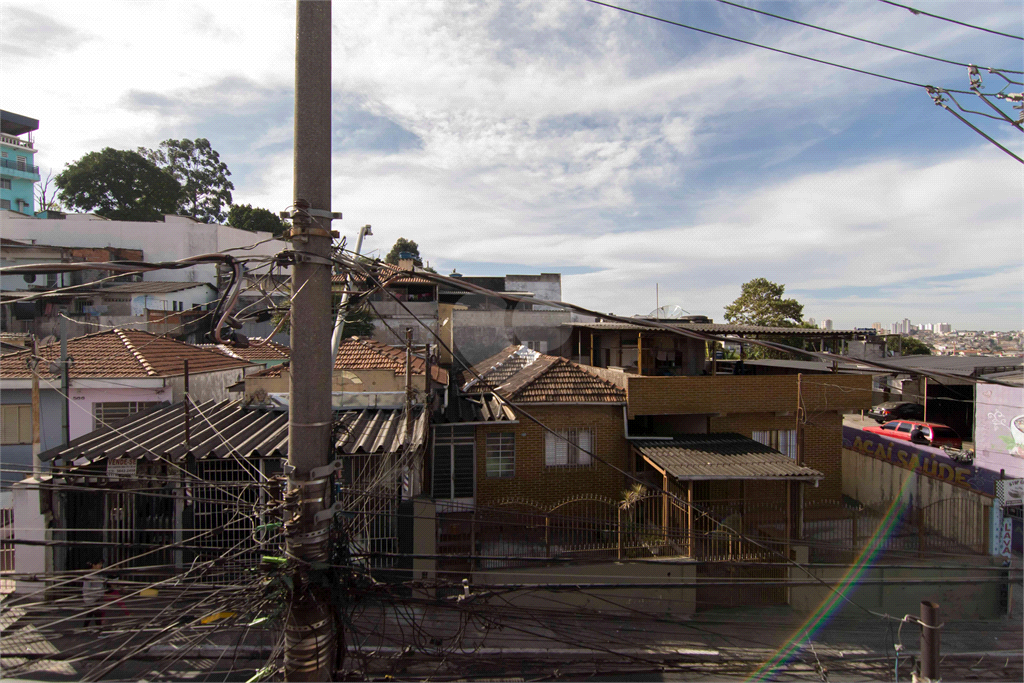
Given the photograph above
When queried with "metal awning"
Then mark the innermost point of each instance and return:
(697, 457)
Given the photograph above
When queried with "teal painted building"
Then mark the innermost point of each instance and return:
(18, 172)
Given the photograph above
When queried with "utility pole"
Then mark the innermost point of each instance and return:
(311, 632)
(37, 464)
(929, 642)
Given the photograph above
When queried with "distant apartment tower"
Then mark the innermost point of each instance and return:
(877, 327)
(928, 327)
(826, 324)
(944, 328)
(905, 326)
(18, 174)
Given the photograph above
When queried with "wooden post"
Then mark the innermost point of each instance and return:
(853, 530)
(925, 398)
(37, 464)
(714, 358)
(592, 349)
(640, 353)
(547, 534)
(472, 537)
(186, 403)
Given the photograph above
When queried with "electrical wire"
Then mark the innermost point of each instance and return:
(764, 47)
(851, 37)
(952, 21)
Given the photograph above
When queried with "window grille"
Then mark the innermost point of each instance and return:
(453, 463)
(105, 413)
(782, 440)
(501, 455)
(570, 448)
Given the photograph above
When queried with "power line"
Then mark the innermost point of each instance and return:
(766, 47)
(952, 21)
(851, 37)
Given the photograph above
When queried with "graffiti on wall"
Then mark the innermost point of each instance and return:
(999, 429)
(925, 460)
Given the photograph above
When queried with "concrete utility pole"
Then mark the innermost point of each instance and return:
(929, 642)
(311, 634)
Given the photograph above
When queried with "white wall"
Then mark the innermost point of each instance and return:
(165, 301)
(174, 238)
(80, 411)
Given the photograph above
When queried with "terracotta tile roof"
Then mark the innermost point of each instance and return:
(124, 353)
(265, 351)
(391, 275)
(721, 456)
(497, 369)
(358, 353)
(524, 376)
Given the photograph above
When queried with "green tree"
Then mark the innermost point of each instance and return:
(761, 303)
(402, 245)
(256, 219)
(119, 185)
(206, 189)
(358, 322)
(910, 346)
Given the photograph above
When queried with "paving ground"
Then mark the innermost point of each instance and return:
(478, 640)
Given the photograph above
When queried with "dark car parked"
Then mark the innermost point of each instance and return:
(896, 410)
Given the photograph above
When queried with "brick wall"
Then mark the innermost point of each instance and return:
(745, 394)
(550, 485)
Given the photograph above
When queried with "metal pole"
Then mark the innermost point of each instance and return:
(339, 322)
(65, 382)
(37, 464)
(929, 641)
(311, 640)
(186, 404)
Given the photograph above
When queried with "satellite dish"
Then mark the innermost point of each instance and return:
(668, 312)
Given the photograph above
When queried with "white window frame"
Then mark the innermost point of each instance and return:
(125, 409)
(782, 440)
(501, 455)
(569, 448)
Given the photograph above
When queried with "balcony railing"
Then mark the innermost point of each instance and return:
(18, 166)
(16, 141)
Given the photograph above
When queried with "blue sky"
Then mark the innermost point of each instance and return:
(568, 137)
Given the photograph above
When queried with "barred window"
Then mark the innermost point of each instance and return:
(782, 440)
(569, 448)
(501, 455)
(105, 413)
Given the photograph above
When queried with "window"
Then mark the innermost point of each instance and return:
(22, 162)
(538, 346)
(501, 455)
(119, 410)
(453, 463)
(904, 427)
(570, 448)
(889, 426)
(16, 424)
(5, 184)
(5, 203)
(782, 440)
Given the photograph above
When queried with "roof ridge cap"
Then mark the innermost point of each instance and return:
(134, 351)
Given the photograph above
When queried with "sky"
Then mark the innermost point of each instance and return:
(645, 162)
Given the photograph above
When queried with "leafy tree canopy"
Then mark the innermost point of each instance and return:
(358, 322)
(206, 189)
(119, 185)
(761, 303)
(256, 219)
(910, 346)
(402, 245)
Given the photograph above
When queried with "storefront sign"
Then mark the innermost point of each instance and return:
(1010, 492)
(931, 462)
(1006, 538)
(122, 467)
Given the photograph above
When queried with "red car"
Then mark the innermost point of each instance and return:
(924, 433)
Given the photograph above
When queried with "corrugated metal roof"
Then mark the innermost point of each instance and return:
(478, 408)
(721, 456)
(258, 350)
(971, 366)
(232, 428)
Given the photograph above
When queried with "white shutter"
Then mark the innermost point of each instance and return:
(586, 443)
